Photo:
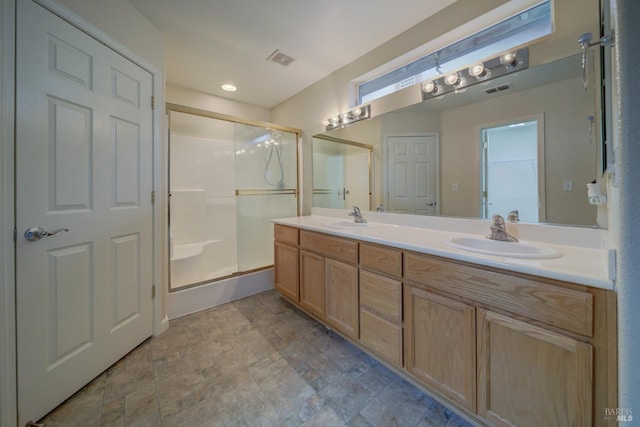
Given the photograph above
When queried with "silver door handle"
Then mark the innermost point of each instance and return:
(34, 234)
(431, 203)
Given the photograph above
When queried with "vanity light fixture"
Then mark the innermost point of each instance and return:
(506, 63)
(359, 113)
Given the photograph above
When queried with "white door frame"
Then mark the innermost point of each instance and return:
(385, 164)
(8, 380)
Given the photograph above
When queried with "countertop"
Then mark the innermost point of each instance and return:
(585, 266)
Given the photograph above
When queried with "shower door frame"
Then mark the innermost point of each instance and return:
(177, 108)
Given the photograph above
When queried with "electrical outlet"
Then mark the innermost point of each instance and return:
(567, 185)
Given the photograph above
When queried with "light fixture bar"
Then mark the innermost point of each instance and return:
(352, 116)
(506, 63)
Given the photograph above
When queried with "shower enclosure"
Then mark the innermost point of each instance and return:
(227, 179)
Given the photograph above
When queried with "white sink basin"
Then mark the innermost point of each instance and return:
(506, 249)
(344, 224)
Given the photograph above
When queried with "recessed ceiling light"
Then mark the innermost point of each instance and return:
(229, 87)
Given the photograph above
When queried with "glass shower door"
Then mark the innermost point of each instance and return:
(266, 188)
(228, 180)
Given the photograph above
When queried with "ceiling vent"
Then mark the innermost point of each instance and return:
(498, 89)
(280, 58)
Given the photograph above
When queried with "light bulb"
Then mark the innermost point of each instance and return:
(334, 120)
(509, 59)
(229, 87)
(428, 87)
(477, 70)
(452, 79)
(357, 112)
(345, 116)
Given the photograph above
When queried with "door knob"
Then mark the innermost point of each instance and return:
(431, 203)
(34, 234)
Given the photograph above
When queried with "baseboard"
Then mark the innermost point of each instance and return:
(199, 298)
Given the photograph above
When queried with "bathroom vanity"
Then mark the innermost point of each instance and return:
(506, 342)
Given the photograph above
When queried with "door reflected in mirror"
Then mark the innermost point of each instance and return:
(512, 158)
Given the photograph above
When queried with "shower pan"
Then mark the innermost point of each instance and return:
(228, 179)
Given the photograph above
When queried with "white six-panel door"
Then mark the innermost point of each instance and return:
(412, 174)
(84, 163)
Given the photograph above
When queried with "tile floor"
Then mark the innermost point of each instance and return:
(258, 361)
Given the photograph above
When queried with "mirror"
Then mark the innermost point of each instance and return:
(471, 142)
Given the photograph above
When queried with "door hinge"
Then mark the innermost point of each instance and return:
(153, 291)
(15, 235)
(153, 197)
(153, 102)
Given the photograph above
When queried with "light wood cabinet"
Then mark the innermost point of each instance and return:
(380, 335)
(381, 316)
(546, 301)
(381, 295)
(381, 258)
(440, 341)
(286, 270)
(312, 283)
(530, 376)
(502, 347)
(341, 281)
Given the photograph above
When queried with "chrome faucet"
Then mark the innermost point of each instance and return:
(499, 230)
(513, 216)
(380, 208)
(357, 215)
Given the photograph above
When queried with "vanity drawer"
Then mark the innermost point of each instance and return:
(285, 234)
(379, 258)
(333, 247)
(381, 336)
(555, 305)
(381, 295)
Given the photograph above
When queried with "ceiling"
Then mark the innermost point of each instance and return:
(212, 42)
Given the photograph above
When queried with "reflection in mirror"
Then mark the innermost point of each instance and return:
(341, 173)
(568, 148)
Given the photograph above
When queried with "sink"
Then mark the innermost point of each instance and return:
(345, 224)
(506, 249)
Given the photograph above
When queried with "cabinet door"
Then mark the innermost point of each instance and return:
(529, 376)
(312, 283)
(342, 297)
(440, 344)
(286, 270)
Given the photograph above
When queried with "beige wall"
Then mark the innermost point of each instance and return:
(216, 104)
(330, 96)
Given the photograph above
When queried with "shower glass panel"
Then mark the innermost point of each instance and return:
(228, 179)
